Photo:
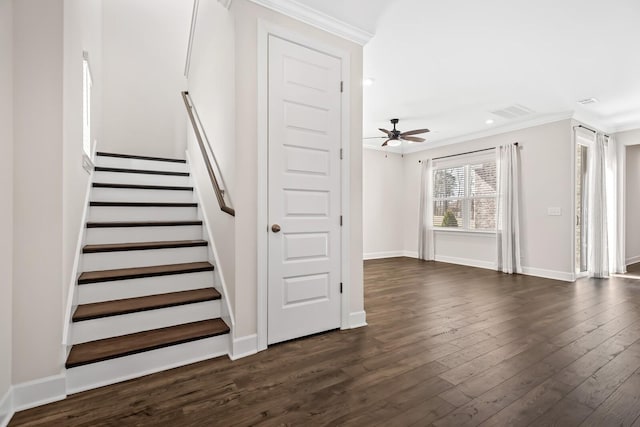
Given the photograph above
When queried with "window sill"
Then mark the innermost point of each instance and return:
(463, 231)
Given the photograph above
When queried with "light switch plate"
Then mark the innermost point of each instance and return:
(554, 211)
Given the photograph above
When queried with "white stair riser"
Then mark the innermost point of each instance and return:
(123, 368)
(142, 234)
(146, 258)
(106, 327)
(131, 288)
(139, 178)
(139, 195)
(128, 213)
(154, 165)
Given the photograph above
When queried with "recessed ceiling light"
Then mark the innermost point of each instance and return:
(587, 101)
(489, 121)
(367, 81)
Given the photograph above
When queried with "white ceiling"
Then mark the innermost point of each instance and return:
(446, 65)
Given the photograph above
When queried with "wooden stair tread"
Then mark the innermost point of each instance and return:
(111, 348)
(145, 204)
(152, 302)
(133, 156)
(140, 246)
(141, 186)
(143, 171)
(141, 272)
(128, 224)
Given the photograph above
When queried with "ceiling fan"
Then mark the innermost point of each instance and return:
(395, 137)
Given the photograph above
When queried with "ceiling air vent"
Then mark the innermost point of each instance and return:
(587, 101)
(515, 111)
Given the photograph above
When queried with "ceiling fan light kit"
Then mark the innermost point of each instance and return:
(394, 143)
(395, 137)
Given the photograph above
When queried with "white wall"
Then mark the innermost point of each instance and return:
(212, 90)
(144, 51)
(82, 32)
(6, 193)
(246, 16)
(38, 199)
(476, 249)
(383, 197)
(632, 197)
(546, 176)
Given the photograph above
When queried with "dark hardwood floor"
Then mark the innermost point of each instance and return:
(633, 269)
(446, 345)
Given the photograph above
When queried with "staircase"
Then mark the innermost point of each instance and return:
(145, 300)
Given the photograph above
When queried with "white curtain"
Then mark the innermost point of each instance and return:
(614, 208)
(599, 204)
(426, 249)
(508, 218)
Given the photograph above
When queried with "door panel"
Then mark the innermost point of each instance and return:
(304, 191)
(303, 203)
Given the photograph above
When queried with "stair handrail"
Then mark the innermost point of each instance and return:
(214, 181)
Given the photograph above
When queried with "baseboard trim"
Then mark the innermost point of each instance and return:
(357, 319)
(244, 346)
(380, 255)
(632, 260)
(549, 274)
(466, 261)
(38, 392)
(6, 408)
(389, 254)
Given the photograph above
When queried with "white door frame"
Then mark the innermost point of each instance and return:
(265, 29)
(574, 144)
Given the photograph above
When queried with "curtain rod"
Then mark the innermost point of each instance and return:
(590, 130)
(468, 152)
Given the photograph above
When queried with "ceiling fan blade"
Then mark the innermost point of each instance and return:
(414, 132)
(412, 138)
(388, 132)
(384, 144)
(375, 137)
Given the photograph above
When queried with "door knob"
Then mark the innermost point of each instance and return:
(275, 228)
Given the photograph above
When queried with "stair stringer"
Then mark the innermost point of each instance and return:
(219, 280)
(72, 293)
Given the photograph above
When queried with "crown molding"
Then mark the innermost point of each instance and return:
(538, 121)
(300, 12)
(627, 127)
(579, 117)
(592, 121)
(605, 126)
(225, 3)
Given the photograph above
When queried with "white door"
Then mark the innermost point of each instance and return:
(304, 191)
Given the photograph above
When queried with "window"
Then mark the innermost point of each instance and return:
(464, 195)
(86, 105)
